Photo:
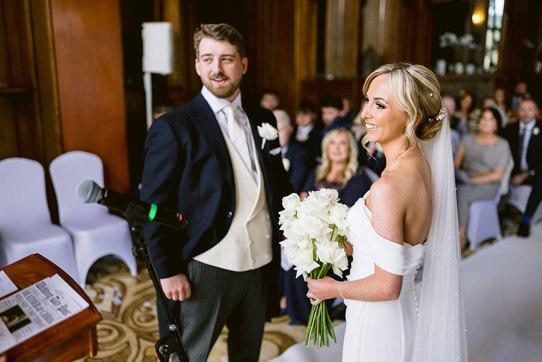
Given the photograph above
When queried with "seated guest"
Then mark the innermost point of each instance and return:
(520, 94)
(451, 107)
(307, 132)
(349, 111)
(466, 113)
(332, 110)
(270, 99)
(371, 156)
(339, 170)
(526, 146)
(499, 96)
(481, 162)
(297, 161)
(449, 103)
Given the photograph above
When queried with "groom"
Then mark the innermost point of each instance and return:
(208, 161)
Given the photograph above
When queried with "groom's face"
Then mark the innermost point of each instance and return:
(220, 67)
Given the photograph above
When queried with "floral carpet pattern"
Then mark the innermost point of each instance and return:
(129, 328)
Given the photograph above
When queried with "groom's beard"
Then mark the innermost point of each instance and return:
(225, 90)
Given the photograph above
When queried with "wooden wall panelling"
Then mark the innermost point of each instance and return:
(416, 33)
(88, 52)
(514, 20)
(342, 38)
(184, 83)
(372, 28)
(46, 79)
(305, 44)
(9, 146)
(270, 47)
(390, 26)
(21, 74)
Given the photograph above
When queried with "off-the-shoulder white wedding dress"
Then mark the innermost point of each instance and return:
(380, 331)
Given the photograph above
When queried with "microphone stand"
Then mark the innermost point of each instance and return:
(172, 342)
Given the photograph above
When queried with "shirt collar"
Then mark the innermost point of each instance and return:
(306, 129)
(216, 103)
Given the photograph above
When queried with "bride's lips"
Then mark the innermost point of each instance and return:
(371, 126)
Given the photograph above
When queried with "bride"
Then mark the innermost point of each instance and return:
(409, 214)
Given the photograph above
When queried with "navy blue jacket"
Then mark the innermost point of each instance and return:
(301, 164)
(188, 169)
(534, 149)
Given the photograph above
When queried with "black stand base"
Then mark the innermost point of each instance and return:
(171, 343)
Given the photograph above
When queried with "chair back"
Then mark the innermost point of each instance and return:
(68, 171)
(23, 199)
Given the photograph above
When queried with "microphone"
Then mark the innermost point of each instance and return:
(89, 192)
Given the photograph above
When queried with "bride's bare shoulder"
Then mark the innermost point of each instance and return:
(384, 191)
(394, 188)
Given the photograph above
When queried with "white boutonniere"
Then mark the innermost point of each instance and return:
(267, 133)
(536, 131)
(286, 164)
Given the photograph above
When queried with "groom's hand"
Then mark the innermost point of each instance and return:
(177, 287)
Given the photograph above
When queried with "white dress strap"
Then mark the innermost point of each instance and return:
(388, 255)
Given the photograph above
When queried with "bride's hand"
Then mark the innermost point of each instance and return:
(321, 289)
(348, 248)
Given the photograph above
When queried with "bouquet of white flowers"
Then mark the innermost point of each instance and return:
(315, 229)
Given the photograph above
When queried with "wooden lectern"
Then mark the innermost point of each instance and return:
(72, 338)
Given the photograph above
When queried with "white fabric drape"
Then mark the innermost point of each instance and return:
(440, 333)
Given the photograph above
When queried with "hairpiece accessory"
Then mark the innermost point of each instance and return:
(440, 116)
(430, 94)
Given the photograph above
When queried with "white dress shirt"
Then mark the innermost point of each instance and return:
(217, 104)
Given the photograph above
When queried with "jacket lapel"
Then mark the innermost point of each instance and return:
(534, 139)
(204, 119)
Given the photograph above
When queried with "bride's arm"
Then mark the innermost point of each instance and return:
(388, 210)
(377, 287)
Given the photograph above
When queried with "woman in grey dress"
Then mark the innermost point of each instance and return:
(481, 162)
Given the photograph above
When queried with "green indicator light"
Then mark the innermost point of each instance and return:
(152, 212)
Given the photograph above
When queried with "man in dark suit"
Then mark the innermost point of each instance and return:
(526, 145)
(208, 160)
(307, 133)
(297, 161)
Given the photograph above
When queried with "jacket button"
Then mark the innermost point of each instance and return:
(230, 214)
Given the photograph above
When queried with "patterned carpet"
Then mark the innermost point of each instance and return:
(129, 328)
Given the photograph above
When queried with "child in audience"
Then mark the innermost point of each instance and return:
(307, 132)
(270, 99)
(332, 109)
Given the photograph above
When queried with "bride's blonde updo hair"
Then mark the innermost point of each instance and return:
(414, 90)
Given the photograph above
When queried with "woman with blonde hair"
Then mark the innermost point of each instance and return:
(409, 214)
(339, 169)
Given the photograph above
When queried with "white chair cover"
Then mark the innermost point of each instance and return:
(95, 232)
(25, 222)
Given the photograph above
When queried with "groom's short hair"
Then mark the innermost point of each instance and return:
(220, 32)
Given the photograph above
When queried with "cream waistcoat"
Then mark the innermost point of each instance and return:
(247, 245)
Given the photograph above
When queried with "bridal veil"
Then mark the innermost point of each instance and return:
(440, 332)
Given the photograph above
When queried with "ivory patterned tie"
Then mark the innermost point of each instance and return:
(237, 134)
